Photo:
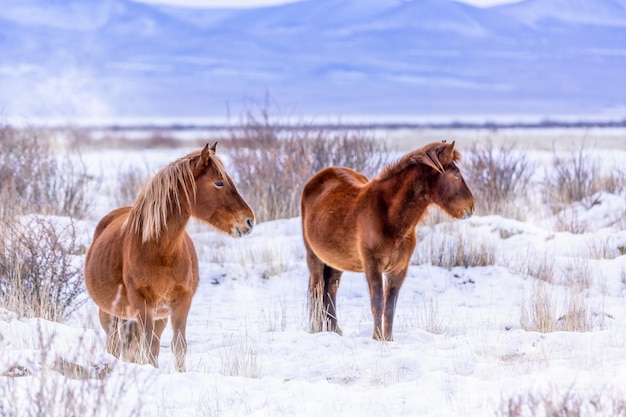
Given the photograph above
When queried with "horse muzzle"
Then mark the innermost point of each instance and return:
(467, 213)
(244, 229)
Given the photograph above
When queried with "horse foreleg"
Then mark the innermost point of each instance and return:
(179, 325)
(375, 283)
(149, 343)
(393, 283)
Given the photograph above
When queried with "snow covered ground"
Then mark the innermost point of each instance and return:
(460, 346)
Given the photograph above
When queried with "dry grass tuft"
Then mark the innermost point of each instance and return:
(538, 314)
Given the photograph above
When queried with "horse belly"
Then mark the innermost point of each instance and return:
(337, 261)
(335, 247)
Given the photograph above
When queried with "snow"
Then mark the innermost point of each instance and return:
(460, 348)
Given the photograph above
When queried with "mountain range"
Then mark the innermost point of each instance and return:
(365, 59)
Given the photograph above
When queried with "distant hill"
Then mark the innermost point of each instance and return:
(326, 58)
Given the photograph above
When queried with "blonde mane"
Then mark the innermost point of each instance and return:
(148, 215)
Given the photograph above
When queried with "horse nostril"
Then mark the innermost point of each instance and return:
(473, 209)
(249, 223)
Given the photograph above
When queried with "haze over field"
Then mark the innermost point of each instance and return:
(391, 59)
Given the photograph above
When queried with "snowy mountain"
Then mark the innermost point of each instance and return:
(414, 59)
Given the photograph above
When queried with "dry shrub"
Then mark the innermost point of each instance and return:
(34, 180)
(499, 178)
(571, 403)
(40, 269)
(272, 161)
(571, 179)
(129, 182)
(40, 273)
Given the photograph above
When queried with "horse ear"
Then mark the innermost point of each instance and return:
(214, 147)
(446, 153)
(206, 153)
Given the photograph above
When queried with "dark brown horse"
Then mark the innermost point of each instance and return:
(352, 224)
(142, 268)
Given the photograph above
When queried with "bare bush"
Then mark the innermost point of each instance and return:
(34, 180)
(273, 161)
(571, 179)
(499, 179)
(129, 183)
(40, 273)
(571, 403)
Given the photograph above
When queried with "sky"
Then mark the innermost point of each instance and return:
(253, 3)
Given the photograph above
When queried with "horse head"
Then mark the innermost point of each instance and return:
(449, 191)
(216, 200)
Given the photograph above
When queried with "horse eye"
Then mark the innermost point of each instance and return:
(219, 184)
(456, 175)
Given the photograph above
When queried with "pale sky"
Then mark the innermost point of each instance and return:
(252, 3)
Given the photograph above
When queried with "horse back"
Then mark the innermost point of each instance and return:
(108, 219)
(333, 180)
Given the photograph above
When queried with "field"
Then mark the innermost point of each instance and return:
(518, 311)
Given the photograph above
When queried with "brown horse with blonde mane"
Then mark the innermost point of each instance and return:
(142, 267)
(353, 224)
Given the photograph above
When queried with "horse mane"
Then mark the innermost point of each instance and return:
(410, 159)
(148, 215)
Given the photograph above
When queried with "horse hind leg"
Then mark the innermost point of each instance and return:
(323, 285)
(110, 325)
(316, 291)
(332, 277)
(128, 331)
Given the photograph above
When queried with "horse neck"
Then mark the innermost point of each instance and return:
(408, 196)
(172, 234)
